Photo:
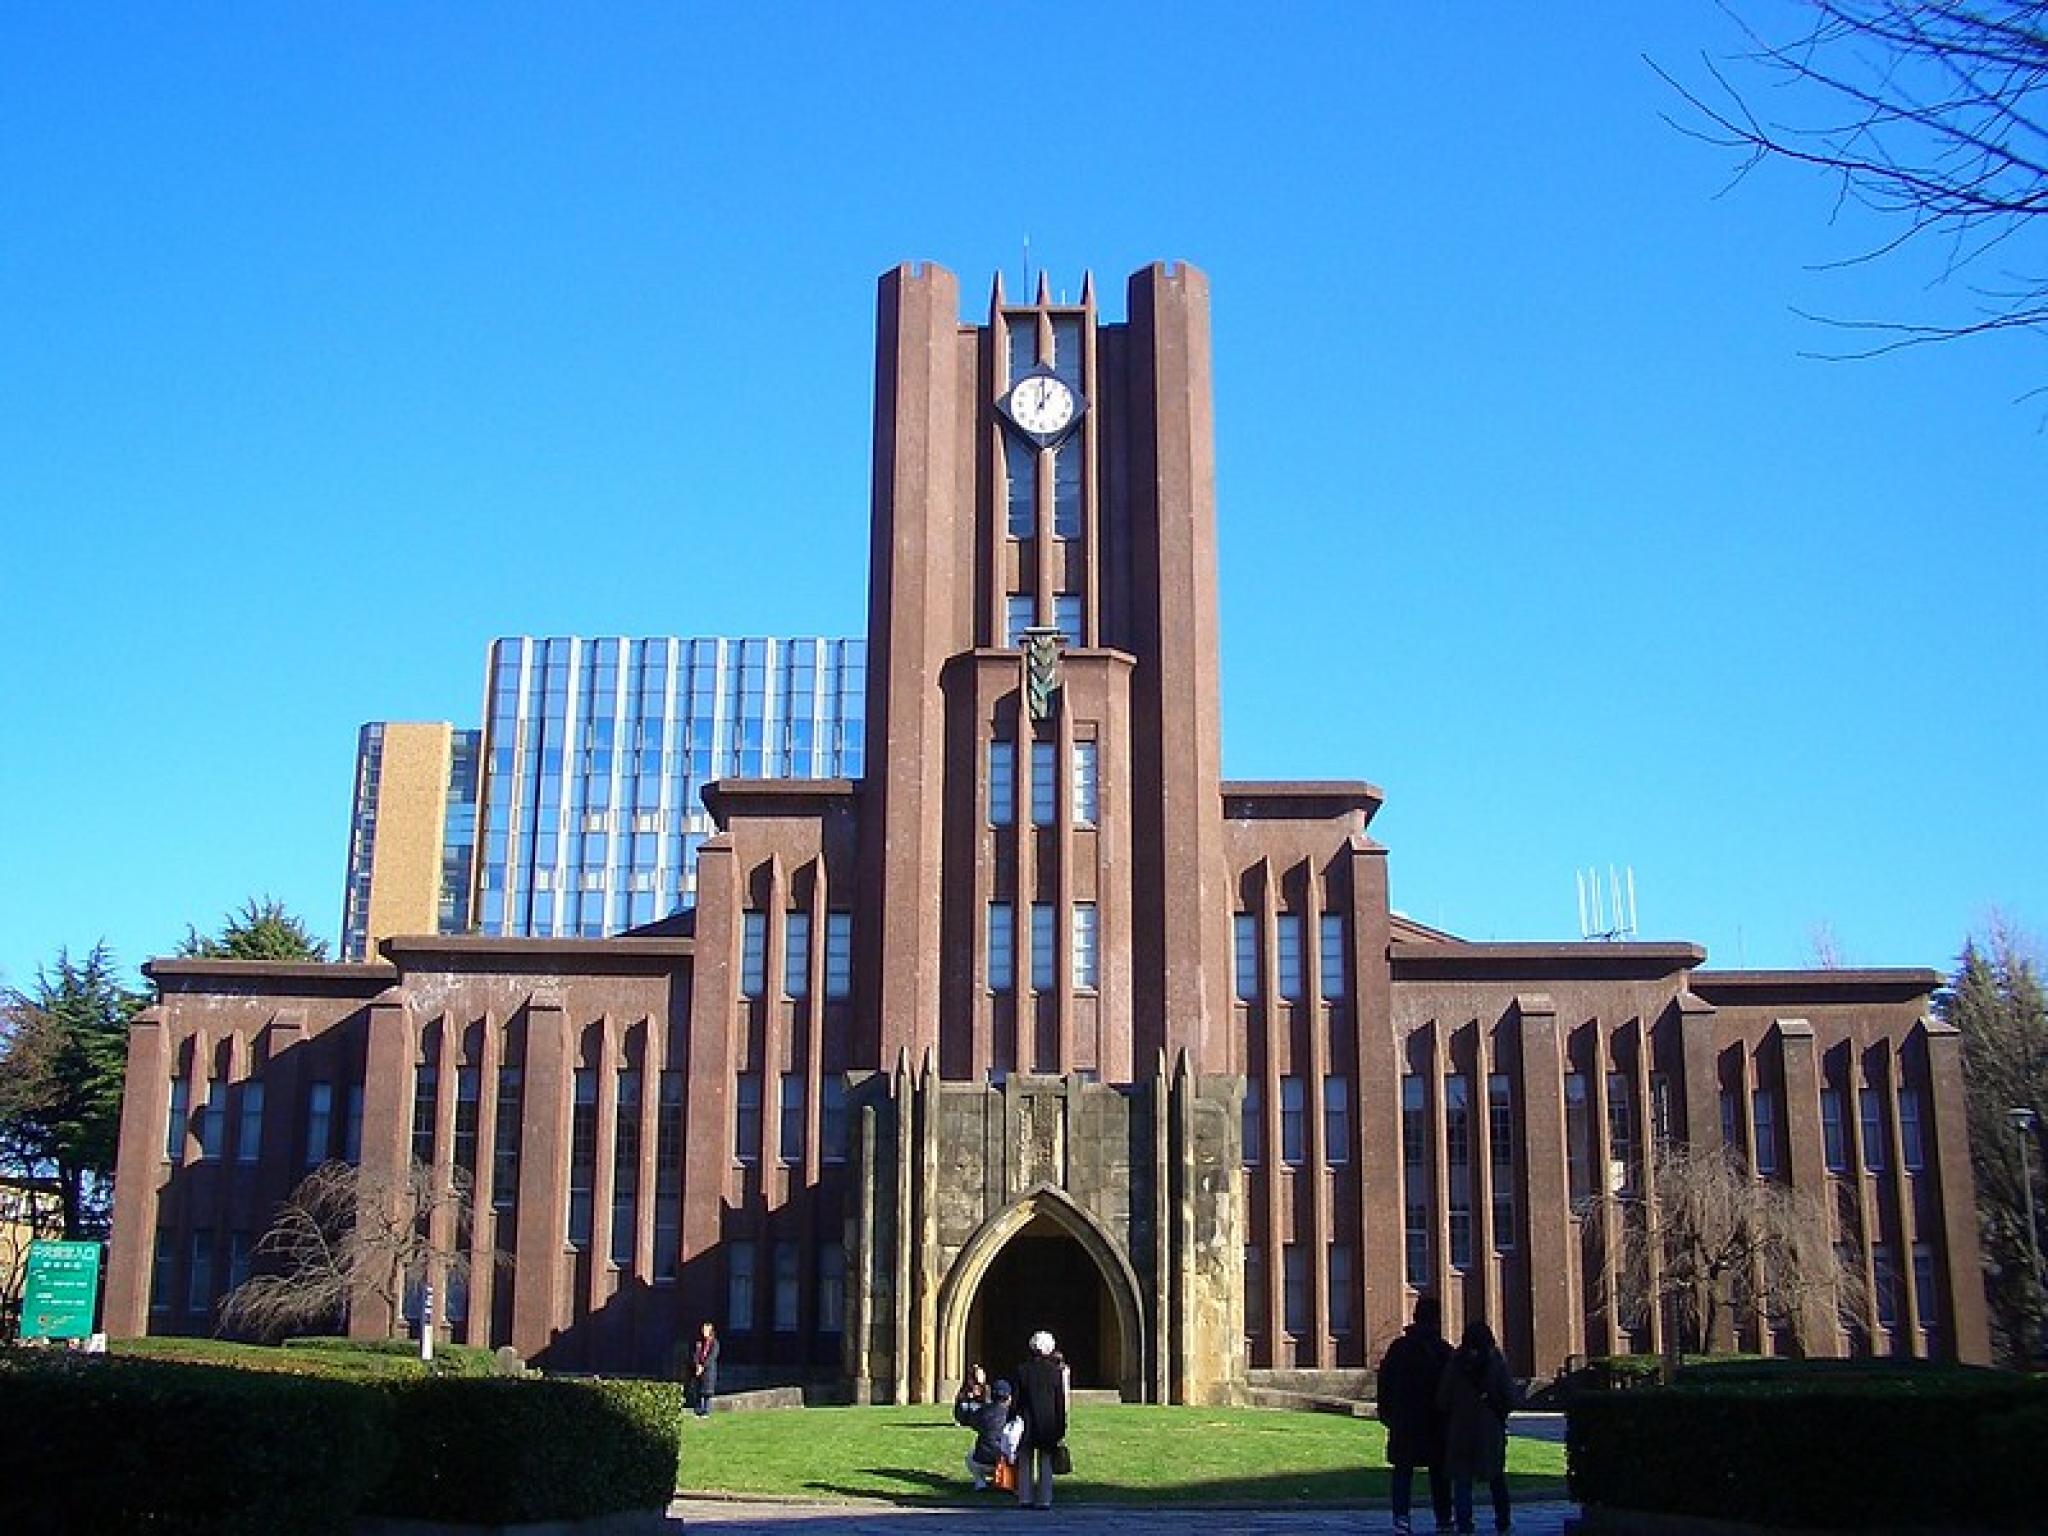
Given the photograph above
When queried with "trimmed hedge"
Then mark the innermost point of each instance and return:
(507, 1452)
(111, 1445)
(1824, 1449)
(117, 1445)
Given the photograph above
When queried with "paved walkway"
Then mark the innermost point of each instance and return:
(744, 1517)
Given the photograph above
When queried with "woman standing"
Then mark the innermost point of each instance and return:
(1476, 1395)
(1041, 1402)
(704, 1369)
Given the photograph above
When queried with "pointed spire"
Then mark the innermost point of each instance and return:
(995, 298)
(1044, 288)
(1088, 289)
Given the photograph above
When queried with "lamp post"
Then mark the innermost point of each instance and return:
(2023, 1122)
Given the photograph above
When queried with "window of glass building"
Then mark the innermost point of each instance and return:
(1254, 1126)
(1912, 1139)
(1002, 783)
(582, 1157)
(1292, 982)
(213, 1115)
(831, 1288)
(739, 1286)
(1340, 1289)
(1045, 783)
(1500, 1151)
(1043, 976)
(1331, 929)
(838, 956)
(1415, 1186)
(1020, 612)
(1293, 1122)
(319, 1116)
(1002, 946)
(1337, 1120)
(426, 1108)
(1578, 1140)
(1069, 617)
(796, 955)
(1085, 950)
(1020, 470)
(789, 1130)
(505, 1139)
(174, 1121)
(249, 1132)
(753, 954)
(1458, 1166)
(1245, 931)
(1871, 1100)
(1294, 1276)
(1621, 1135)
(626, 1167)
(832, 1119)
(1087, 791)
(746, 1122)
(1834, 1135)
(1763, 1108)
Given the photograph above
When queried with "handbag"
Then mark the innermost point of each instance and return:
(1062, 1460)
(1005, 1477)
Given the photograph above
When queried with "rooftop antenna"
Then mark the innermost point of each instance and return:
(1607, 912)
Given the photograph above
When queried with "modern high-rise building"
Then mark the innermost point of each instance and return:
(1032, 1019)
(577, 811)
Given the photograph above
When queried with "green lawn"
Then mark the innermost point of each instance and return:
(1121, 1453)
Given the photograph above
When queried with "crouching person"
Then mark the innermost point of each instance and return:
(987, 1420)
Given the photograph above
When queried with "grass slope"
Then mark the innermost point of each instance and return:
(1123, 1453)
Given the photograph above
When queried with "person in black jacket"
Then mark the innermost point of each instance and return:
(704, 1370)
(1042, 1391)
(1406, 1402)
(985, 1415)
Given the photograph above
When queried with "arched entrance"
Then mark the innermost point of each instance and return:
(1043, 1263)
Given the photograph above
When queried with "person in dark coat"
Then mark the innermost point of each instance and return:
(704, 1369)
(1041, 1402)
(1406, 1403)
(1476, 1395)
(986, 1416)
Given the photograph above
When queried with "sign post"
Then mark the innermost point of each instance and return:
(62, 1290)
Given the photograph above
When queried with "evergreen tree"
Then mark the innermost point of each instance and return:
(261, 930)
(1997, 1001)
(63, 1051)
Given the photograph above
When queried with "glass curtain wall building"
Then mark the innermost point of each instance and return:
(596, 751)
(412, 834)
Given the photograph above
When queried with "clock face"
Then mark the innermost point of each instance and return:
(1042, 404)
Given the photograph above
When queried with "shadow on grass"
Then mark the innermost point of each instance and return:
(916, 1487)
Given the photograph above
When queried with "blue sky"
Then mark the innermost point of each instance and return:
(336, 340)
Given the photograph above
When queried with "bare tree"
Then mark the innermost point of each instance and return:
(1930, 114)
(1715, 1243)
(345, 1236)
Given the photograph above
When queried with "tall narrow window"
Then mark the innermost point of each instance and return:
(1002, 946)
(1042, 972)
(1020, 612)
(1500, 1151)
(1415, 1186)
(1254, 1290)
(746, 1119)
(426, 1109)
(199, 1273)
(1458, 1166)
(1245, 927)
(796, 955)
(1621, 1135)
(789, 1130)
(1293, 1122)
(1294, 1278)
(582, 1156)
(1663, 1111)
(832, 1119)
(668, 1176)
(468, 1086)
(1763, 1109)
(174, 1122)
(319, 1121)
(626, 1168)
(788, 1286)
(1292, 983)
(1331, 929)
(352, 1123)
(831, 1288)
(1254, 1125)
(1068, 609)
(753, 954)
(739, 1286)
(1002, 783)
(1020, 470)
(1068, 464)
(838, 956)
(1045, 783)
(1578, 1140)
(1912, 1141)
(213, 1115)
(1085, 952)
(1087, 792)
(1340, 1289)
(162, 1269)
(249, 1132)
(505, 1140)
(1884, 1275)
(1925, 1281)
(1872, 1104)
(1834, 1135)
(239, 1247)
(1337, 1120)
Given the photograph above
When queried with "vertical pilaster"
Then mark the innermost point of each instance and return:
(387, 1130)
(1805, 1155)
(540, 1299)
(1962, 1289)
(1552, 1258)
(138, 1176)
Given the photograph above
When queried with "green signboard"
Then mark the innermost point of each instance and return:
(63, 1285)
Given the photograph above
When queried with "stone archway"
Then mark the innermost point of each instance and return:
(1043, 1262)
